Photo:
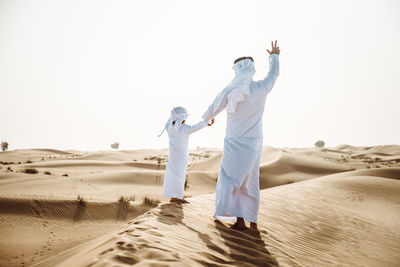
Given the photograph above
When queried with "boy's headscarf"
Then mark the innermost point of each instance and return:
(178, 114)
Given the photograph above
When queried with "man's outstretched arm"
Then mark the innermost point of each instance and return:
(273, 73)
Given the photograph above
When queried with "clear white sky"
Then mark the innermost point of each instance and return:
(82, 74)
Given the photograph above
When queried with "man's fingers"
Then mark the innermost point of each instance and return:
(272, 44)
(275, 42)
(268, 51)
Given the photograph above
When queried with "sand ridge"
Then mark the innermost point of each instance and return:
(319, 207)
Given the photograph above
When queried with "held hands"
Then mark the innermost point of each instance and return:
(275, 49)
(212, 122)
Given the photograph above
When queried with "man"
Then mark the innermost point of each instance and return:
(238, 190)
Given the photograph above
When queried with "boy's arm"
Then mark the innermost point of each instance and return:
(194, 128)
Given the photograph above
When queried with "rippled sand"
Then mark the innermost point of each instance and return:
(319, 207)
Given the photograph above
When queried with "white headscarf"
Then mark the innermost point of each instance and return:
(239, 88)
(178, 114)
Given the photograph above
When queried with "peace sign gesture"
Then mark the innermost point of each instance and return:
(275, 49)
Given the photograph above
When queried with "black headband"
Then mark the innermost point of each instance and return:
(242, 58)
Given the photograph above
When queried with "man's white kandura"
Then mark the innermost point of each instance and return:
(238, 191)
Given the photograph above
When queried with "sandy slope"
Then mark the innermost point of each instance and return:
(320, 222)
(40, 215)
(333, 206)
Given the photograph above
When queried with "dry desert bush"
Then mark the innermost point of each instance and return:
(151, 202)
(320, 144)
(115, 145)
(124, 199)
(81, 200)
(4, 145)
(30, 171)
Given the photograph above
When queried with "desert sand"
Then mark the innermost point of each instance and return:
(319, 207)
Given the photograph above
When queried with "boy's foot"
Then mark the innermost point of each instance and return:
(174, 199)
(253, 226)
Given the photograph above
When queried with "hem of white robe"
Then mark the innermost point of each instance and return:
(171, 194)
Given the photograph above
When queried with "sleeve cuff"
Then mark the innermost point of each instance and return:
(274, 56)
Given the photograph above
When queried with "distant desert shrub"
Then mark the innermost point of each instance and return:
(319, 144)
(150, 202)
(159, 162)
(115, 145)
(123, 199)
(6, 162)
(81, 201)
(29, 161)
(65, 174)
(9, 169)
(4, 145)
(30, 171)
(47, 173)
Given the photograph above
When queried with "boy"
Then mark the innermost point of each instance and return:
(178, 153)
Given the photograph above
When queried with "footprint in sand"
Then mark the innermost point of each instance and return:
(46, 246)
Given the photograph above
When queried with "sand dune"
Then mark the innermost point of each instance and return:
(73, 210)
(278, 167)
(92, 164)
(320, 207)
(319, 222)
(37, 229)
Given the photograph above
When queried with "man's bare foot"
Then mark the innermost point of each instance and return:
(236, 226)
(239, 224)
(179, 201)
(253, 226)
(182, 201)
(174, 199)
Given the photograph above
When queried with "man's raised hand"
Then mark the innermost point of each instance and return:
(275, 49)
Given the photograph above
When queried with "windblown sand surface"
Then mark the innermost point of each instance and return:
(319, 207)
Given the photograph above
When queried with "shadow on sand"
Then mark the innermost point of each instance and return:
(245, 247)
